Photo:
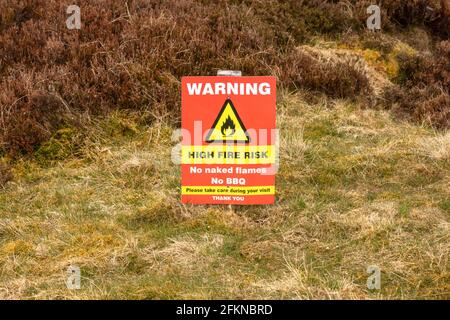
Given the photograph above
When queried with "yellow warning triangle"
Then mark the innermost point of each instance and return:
(228, 126)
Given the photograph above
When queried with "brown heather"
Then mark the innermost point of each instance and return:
(423, 91)
(133, 54)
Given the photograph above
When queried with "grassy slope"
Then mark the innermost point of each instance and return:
(354, 189)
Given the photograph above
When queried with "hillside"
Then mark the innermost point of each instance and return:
(86, 176)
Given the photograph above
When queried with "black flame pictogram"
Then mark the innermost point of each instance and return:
(228, 128)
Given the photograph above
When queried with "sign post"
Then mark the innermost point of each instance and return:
(228, 153)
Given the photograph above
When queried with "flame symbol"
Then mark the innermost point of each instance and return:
(228, 128)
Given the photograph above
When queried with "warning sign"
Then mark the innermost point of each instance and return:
(228, 153)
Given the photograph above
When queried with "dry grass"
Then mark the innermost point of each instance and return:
(360, 190)
(437, 147)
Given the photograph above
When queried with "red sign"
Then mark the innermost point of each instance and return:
(228, 151)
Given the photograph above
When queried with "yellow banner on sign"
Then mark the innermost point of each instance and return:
(227, 154)
(224, 190)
